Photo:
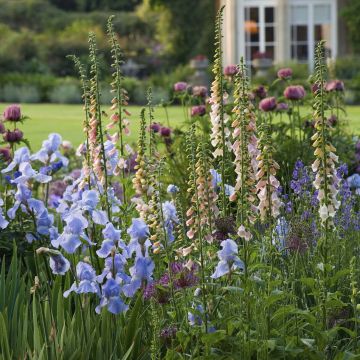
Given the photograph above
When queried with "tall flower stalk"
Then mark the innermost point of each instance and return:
(267, 183)
(96, 139)
(219, 119)
(326, 179)
(196, 213)
(86, 166)
(245, 151)
(120, 96)
(324, 166)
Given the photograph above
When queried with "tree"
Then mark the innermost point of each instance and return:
(351, 16)
(186, 28)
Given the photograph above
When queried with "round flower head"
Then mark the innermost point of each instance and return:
(260, 92)
(267, 104)
(155, 127)
(357, 147)
(5, 154)
(13, 136)
(180, 86)
(198, 110)
(294, 92)
(230, 70)
(165, 131)
(199, 91)
(12, 113)
(285, 73)
(333, 120)
(335, 85)
(282, 107)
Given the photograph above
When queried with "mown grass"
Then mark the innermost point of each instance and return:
(67, 121)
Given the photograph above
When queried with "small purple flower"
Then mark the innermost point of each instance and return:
(168, 332)
(333, 120)
(180, 86)
(335, 85)
(267, 104)
(285, 73)
(230, 70)
(198, 110)
(260, 92)
(200, 91)
(13, 136)
(165, 131)
(294, 92)
(155, 127)
(5, 154)
(282, 107)
(12, 113)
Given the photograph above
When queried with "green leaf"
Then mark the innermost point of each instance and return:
(213, 338)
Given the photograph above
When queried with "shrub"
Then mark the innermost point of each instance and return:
(22, 93)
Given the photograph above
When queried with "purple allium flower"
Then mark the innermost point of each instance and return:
(334, 85)
(357, 147)
(155, 127)
(230, 70)
(5, 154)
(333, 120)
(168, 332)
(165, 131)
(13, 136)
(200, 91)
(282, 107)
(198, 110)
(2, 127)
(12, 113)
(260, 92)
(294, 92)
(285, 73)
(57, 188)
(180, 86)
(267, 104)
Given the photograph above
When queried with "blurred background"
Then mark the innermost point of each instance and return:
(165, 41)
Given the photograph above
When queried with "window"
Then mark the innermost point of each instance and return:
(310, 23)
(260, 31)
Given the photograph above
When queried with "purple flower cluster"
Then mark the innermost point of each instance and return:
(182, 276)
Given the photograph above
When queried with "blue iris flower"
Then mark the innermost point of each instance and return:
(59, 264)
(228, 259)
(111, 239)
(172, 189)
(111, 298)
(140, 272)
(86, 277)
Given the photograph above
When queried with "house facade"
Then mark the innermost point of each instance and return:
(283, 30)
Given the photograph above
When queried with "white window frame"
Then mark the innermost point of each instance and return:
(310, 4)
(261, 4)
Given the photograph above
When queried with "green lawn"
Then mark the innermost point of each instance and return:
(67, 120)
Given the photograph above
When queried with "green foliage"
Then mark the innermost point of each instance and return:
(350, 14)
(36, 322)
(177, 23)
